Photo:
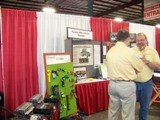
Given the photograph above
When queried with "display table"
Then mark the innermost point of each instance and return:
(92, 96)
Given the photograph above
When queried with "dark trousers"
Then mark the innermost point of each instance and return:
(144, 92)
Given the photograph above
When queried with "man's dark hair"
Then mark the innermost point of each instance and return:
(122, 35)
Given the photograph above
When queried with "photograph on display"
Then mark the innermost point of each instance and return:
(80, 72)
(113, 37)
(82, 55)
(132, 37)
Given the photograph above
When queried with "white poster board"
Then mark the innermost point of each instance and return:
(82, 55)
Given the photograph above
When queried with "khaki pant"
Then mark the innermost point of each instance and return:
(122, 98)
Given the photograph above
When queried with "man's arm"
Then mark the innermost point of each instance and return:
(152, 65)
(157, 67)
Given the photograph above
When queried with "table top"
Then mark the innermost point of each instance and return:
(156, 77)
(90, 80)
(156, 74)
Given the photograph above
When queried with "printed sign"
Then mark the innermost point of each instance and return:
(152, 12)
(79, 34)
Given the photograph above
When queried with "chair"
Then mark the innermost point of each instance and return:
(156, 88)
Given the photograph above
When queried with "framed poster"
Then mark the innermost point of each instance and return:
(82, 55)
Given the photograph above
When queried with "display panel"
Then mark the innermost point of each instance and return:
(60, 81)
(61, 84)
(90, 48)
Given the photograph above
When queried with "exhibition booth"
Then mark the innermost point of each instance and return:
(27, 37)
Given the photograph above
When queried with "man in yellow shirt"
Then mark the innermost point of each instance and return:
(123, 66)
(144, 80)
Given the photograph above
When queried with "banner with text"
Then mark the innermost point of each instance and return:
(152, 12)
(79, 34)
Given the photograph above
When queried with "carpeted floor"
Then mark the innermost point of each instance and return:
(154, 113)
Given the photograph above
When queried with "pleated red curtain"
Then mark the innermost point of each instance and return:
(19, 37)
(116, 26)
(1, 89)
(158, 40)
(101, 28)
(1, 78)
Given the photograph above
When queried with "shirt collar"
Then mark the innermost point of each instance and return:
(142, 50)
(121, 44)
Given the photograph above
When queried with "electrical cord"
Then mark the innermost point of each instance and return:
(4, 109)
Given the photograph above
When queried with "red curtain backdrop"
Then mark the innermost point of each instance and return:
(1, 82)
(0, 57)
(158, 40)
(116, 26)
(101, 28)
(19, 36)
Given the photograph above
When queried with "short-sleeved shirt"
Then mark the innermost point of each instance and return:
(122, 63)
(152, 56)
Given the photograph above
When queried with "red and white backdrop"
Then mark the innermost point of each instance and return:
(26, 35)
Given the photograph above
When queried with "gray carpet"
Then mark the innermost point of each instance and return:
(154, 113)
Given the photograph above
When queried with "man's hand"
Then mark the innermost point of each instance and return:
(145, 60)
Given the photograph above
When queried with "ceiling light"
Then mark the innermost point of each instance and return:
(118, 19)
(49, 9)
(158, 25)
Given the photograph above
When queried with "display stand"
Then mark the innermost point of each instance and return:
(86, 53)
(76, 47)
(60, 81)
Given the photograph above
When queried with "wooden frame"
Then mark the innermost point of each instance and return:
(51, 58)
